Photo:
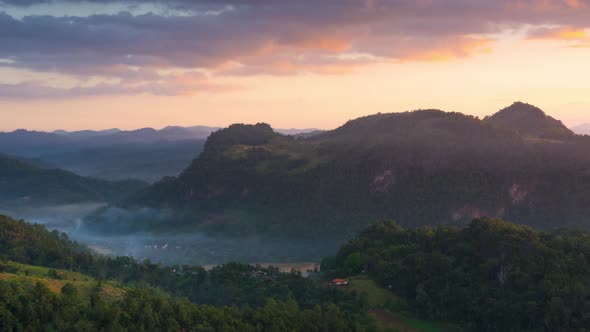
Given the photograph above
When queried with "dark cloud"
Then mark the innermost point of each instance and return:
(245, 37)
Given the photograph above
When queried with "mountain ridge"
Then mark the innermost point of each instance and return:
(24, 184)
(583, 129)
(422, 167)
(530, 121)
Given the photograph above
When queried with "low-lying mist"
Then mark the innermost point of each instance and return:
(172, 248)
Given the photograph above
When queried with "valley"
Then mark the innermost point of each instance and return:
(294, 166)
(297, 211)
(299, 198)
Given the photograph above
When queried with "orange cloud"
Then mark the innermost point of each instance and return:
(575, 3)
(570, 34)
(450, 50)
(577, 37)
(547, 5)
(326, 44)
(276, 38)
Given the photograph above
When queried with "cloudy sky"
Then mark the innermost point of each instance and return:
(305, 63)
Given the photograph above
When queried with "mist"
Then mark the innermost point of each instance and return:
(189, 247)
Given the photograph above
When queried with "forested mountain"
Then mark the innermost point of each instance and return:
(146, 154)
(144, 161)
(488, 276)
(64, 286)
(422, 167)
(530, 121)
(22, 184)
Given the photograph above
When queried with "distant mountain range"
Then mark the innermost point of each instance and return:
(150, 135)
(25, 185)
(146, 154)
(583, 129)
(420, 168)
(143, 135)
(34, 143)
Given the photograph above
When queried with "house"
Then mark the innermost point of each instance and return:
(339, 282)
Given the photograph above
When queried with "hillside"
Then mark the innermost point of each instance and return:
(530, 121)
(144, 161)
(145, 154)
(423, 167)
(68, 287)
(22, 184)
(56, 279)
(488, 276)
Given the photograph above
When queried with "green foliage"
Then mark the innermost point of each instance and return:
(245, 297)
(52, 273)
(27, 307)
(68, 290)
(489, 276)
(257, 134)
(377, 297)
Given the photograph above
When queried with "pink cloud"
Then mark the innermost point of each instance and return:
(273, 38)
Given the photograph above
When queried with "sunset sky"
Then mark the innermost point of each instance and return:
(294, 64)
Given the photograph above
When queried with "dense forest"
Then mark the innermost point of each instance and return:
(25, 307)
(422, 168)
(488, 276)
(232, 297)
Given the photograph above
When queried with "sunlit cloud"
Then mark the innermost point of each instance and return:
(130, 44)
(548, 5)
(572, 37)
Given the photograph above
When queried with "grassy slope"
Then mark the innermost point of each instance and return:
(388, 309)
(110, 291)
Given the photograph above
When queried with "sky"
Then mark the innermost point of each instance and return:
(294, 64)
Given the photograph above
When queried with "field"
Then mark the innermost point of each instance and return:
(389, 310)
(56, 279)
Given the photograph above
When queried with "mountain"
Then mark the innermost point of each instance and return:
(420, 168)
(146, 154)
(144, 161)
(30, 143)
(583, 129)
(22, 184)
(143, 135)
(150, 135)
(530, 121)
(82, 134)
(299, 132)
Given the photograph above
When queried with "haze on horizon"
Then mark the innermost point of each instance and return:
(130, 63)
